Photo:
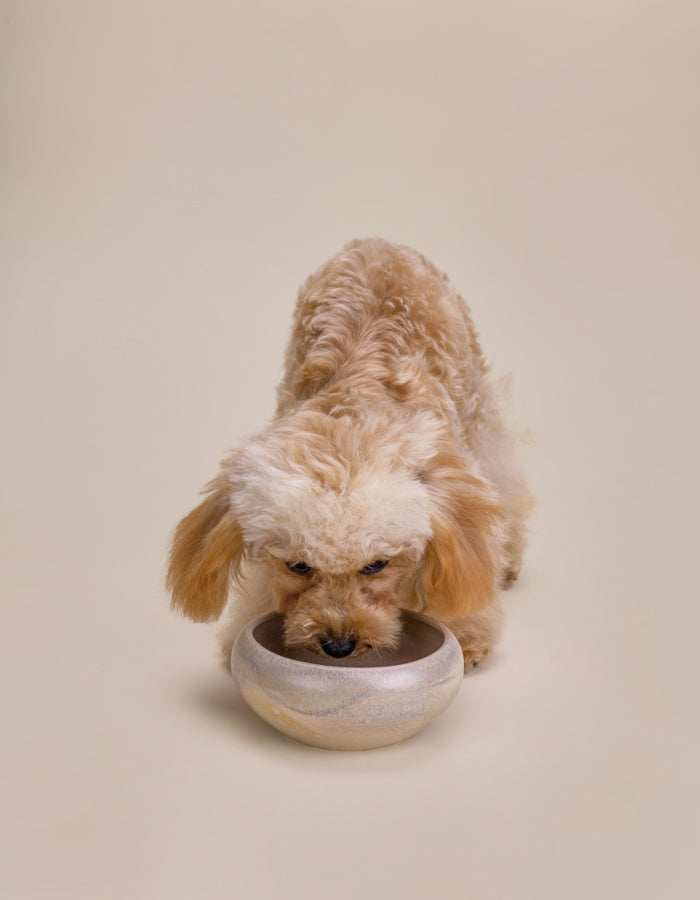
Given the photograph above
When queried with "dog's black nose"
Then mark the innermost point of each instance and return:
(336, 648)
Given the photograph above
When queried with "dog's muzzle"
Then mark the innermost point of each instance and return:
(337, 648)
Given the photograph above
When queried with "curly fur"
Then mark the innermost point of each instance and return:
(387, 444)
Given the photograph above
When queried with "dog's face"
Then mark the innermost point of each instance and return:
(346, 515)
(341, 520)
(341, 614)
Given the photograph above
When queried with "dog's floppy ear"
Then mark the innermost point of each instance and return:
(205, 554)
(461, 565)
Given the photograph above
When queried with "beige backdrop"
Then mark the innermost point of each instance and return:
(171, 171)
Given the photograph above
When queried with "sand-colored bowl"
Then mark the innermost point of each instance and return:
(373, 700)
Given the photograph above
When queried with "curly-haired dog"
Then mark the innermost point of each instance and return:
(387, 478)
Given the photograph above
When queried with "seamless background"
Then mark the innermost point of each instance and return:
(171, 171)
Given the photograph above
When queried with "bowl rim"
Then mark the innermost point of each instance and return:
(300, 664)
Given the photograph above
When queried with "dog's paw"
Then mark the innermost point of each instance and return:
(473, 656)
(509, 577)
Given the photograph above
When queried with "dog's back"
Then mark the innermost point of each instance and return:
(379, 323)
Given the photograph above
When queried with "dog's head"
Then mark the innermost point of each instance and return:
(349, 517)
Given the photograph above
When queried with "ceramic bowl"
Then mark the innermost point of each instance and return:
(372, 700)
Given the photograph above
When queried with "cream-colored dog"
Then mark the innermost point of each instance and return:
(387, 478)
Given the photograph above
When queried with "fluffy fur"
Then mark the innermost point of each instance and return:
(387, 444)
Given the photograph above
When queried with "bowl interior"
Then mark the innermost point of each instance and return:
(419, 639)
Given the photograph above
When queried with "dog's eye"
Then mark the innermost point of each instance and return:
(375, 567)
(299, 568)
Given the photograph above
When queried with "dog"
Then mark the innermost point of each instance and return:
(387, 478)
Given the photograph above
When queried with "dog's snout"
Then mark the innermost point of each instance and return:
(338, 648)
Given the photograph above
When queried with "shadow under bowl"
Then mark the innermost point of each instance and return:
(360, 703)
